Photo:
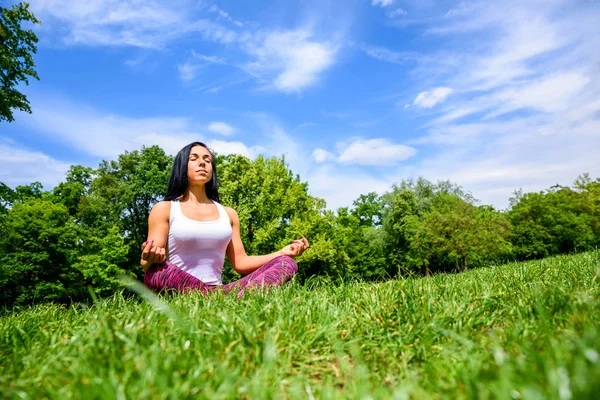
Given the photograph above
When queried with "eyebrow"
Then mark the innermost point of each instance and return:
(198, 155)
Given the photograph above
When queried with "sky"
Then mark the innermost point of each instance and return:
(356, 94)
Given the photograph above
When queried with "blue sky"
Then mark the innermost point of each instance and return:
(358, 94)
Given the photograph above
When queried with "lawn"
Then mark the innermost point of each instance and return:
(526, 330)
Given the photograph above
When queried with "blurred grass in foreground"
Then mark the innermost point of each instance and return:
(522, 330)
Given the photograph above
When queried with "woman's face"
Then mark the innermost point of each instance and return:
(200, 167)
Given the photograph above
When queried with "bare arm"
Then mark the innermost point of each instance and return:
(154, 249)
(245, 264)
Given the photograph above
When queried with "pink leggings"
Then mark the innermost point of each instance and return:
(168, 277)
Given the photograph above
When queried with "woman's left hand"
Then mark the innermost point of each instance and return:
(296, 248)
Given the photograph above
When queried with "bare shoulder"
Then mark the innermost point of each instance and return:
(162, 209)
(233, 216)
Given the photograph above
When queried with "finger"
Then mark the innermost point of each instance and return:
(162, 255)
(146, 251)
(297, 250)
(154, 253)
(305, 241)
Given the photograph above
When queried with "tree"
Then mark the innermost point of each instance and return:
(555, 221)
(101, 269)
(368, 208)
(122, 193)
(455, 234)
(274, 207)
(36, 253)
(17, 46)
(435, 227)
(7, 198)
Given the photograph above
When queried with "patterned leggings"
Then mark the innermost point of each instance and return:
(169, 277)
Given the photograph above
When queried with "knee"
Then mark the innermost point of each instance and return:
(289, 263)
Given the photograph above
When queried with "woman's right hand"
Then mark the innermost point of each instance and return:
(151, 254)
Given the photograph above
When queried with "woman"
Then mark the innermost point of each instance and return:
(190, 232)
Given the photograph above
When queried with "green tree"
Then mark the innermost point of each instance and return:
(101, 269)
(455, 234)
(555, 221)
(75, 188)
(368, 208)
(7, 198)
(122, 193)
(429, 227)
(274, 208)
(36, 254)
(17, 46)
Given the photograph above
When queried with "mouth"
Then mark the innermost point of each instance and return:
(202, 171)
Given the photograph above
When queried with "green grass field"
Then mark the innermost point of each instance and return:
(523, 330)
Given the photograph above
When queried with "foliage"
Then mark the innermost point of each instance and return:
(274, 208)
(17, 46)
(436, 227)
(101, 270)
(94, 221)
(456, 234)
(122, 193)
(557, 221)
(36, 252)
(522, 330)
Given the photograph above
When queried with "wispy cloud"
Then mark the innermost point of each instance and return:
(190, 69)
(525, 106)
(21, 166)
(391, 56)
(430, 99)
(366, 152)
(149, 24)
(320, 155)
(374, 152)
(223, 147)
(289, 60)
(221, 128)
(382, 3)
(225, 15)
(99, 134)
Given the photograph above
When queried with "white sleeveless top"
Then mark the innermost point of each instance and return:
(198, 247)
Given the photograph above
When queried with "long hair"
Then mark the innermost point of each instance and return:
(178, 180)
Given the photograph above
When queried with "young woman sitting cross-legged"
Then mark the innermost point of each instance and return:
(190, 233)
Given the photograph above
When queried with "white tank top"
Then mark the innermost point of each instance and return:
(198, 247)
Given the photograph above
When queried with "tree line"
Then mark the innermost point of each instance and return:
(74, 241)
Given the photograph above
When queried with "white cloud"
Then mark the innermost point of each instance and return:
(320, 155)
(430, 99)
(223, 147)
(382, 3)
(493, 160)
(340, 187)
(188, 71)
(225, 15)
(550, 94)
(221, 128)
(374, 152)
(147, 24)
(290, 60)
(21, 166)
(396, 13)
(284, 60)
(100, 134)
(526, 95)
(391, 56)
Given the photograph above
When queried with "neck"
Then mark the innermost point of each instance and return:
(196, 194)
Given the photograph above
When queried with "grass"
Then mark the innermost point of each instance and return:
(523, 330)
